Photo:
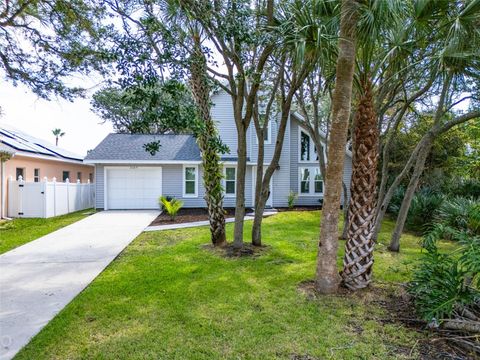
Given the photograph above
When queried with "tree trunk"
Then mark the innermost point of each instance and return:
(267, 177)
(327, 277)
(259, 203)
(206, 139)
(358, 260)
(240, 188)
(407, 200)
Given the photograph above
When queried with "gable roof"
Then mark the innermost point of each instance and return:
(130, 147)
(19, 142)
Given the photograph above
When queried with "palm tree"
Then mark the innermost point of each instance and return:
(58, 133)
(189, 32)
(327, 278)
(207, 140)
(375, 18)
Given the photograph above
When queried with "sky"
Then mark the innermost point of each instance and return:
(37, 117)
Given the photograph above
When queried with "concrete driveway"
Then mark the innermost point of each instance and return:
(40, 278)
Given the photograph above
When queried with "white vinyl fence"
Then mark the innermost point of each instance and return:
(48, 198)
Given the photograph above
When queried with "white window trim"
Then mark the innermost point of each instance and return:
(269, 132)
(313, 154)
(184, 180)
(311, 181)
(225, 181)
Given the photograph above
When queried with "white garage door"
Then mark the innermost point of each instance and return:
(133, 188)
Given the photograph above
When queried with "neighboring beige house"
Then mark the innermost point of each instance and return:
(34, 159)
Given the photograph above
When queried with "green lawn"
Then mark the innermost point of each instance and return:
(168, 297)
(21, 231)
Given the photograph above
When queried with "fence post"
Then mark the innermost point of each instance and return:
(54, 180)
(67, 181)
(44, 192)
(21, 185)
(89, 194)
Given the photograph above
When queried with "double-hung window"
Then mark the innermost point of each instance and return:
(307, 150)
(190, 181)
(310, 181)
(318, 182)
(304, 180)
(230, 181)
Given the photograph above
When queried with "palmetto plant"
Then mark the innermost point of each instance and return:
(171, 206)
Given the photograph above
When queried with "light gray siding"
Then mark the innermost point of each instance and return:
(172, 185)
(99, 186)
(285, 178)
(281, 176)
(295, 165)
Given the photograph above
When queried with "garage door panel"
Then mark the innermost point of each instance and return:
(137, 188)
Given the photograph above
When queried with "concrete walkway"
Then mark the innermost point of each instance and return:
(40, 278)
(248, 216)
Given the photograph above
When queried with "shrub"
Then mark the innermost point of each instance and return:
(425, 204)
(444, 283)
(171, 205)
(423, 209)
(292, 197)
(469, 188)
(461, 214)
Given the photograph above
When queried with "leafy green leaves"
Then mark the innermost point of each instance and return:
(172, 206)
(444, 282)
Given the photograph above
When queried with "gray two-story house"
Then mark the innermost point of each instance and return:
(128, 177)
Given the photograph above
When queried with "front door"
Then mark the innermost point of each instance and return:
(269, 203)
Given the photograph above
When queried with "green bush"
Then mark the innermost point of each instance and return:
(461, 214)
(443, 283)
(425, 205)
(292, 197)
(469, 188)
(171, 205)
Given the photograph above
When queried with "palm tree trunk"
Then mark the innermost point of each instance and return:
(358, 260)
(212, 170)
(327, 277)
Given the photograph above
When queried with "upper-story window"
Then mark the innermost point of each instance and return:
(230, 181)
(65, 175)
(307, 151)
(190, 181)
(267, 135)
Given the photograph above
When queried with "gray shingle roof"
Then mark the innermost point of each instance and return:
(130, 147)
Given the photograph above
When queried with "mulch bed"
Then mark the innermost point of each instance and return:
(229, 251)
(187, 215)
